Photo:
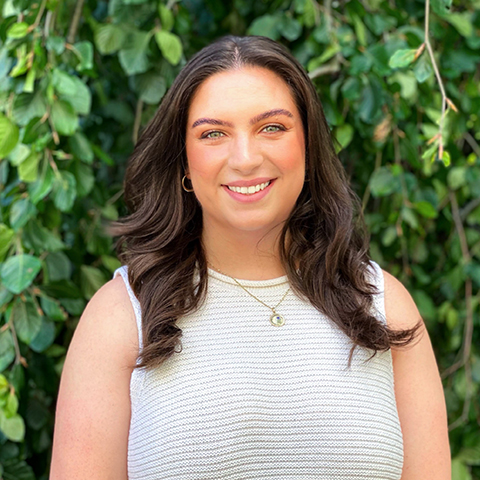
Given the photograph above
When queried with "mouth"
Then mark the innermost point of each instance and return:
(251, 190)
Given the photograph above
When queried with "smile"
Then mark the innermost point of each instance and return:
(249, 190)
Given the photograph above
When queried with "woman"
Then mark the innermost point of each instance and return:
(267, 341)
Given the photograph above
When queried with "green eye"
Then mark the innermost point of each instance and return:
(269, 128)
(213, 135)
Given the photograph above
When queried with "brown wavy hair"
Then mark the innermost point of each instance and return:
(326, 257)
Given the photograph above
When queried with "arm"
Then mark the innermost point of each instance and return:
(93, 407)
(418, 391)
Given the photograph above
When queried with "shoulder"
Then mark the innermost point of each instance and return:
(93, 406)
(109, 316)
(418, 390)
(400, 308)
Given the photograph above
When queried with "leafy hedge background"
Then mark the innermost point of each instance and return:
(399, 81)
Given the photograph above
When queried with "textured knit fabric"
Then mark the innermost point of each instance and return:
(245, 400)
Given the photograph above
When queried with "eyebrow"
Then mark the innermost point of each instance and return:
(257, 118)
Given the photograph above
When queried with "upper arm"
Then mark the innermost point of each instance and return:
(418, 392)
(93, 407)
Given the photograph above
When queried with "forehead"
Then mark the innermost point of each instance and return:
(239, 89)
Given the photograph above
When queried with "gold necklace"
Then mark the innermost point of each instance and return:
(276, 319)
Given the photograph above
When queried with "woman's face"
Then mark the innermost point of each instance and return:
(245, 150)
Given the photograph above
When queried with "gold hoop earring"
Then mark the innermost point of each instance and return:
(183, 185)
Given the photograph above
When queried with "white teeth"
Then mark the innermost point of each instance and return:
(249, 190)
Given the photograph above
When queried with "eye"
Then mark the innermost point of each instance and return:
(212, 134)
(273, 128)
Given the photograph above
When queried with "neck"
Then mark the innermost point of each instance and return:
(243, 255)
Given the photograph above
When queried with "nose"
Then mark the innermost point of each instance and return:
(245, 156)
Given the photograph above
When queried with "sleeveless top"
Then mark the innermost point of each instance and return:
(246, 400)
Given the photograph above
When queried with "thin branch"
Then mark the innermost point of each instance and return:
(39, 16)
(332, 67)
(468, 332)
(18, 355)
(138, 119)
(468, 398)
(439, 79)
(471, 205)
(472, 142)
(378, 164)
(75, 21)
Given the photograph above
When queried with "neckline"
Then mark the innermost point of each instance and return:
(271, 282)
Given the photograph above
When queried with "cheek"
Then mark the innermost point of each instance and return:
(201, 162)
(292, 156)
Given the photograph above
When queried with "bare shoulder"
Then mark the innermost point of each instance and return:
(93, 406)
(418, 391)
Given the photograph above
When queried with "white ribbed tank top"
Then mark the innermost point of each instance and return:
(245, 400)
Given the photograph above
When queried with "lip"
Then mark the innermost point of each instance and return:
(254, 197)
(248, 183)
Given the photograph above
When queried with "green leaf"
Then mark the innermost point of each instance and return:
(441, 7)
(426, 209)
(39, 189)
(457, 177)
(59, 267)
(11, 407)
(18, 272)
(72, 90)
(26, 107)
(360, 30)
(81, 148)
(423, 69)
(402, 58)
(13, 428)
(91, 279)
(170, 46)
(383, 183)
(8, 136)
(105, 158)
(84, 52)
(150, 86)
(344, 134)
(166, 17)
(133, 56)
(18, 154)
(6, 237)
(389, 236)
(111, 263)
(370, 103)
(7, 349)
(267, 26)
(55, 44)
(64, 191)
(28, 170)
(109, 38)
(290, 28)
(408, 215)
(64, 118)
(40, 239)
(21, 212)
(26, 319)
(18, 30)
(462, 22)
(18, 470)
(84, 177)
(45, 337)
(309, 15)
(460, 470)
(52, 309)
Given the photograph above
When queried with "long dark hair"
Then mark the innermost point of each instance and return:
(326, 257)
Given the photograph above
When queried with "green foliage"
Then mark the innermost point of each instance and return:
(70, 106)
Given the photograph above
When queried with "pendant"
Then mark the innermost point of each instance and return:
(277, 320)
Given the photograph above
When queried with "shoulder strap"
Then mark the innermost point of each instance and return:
(123, 271)
(376, 275)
